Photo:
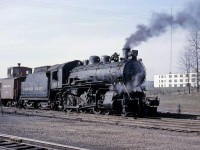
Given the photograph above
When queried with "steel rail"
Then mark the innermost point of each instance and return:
(178, 125)
(10, 142)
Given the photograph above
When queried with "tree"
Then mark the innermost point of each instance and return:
(185, 64)
(194, 49)
(189, 59)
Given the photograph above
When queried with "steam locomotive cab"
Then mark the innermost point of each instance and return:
(58, 86)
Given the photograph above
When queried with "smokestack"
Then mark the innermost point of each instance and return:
(188, 18)
(125, 52)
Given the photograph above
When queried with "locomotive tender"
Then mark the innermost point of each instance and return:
(109, 85)
(35, 89)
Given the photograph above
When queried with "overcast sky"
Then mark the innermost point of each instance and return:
(37, 33)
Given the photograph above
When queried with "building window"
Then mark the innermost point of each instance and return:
(181, 80)
(193, 80)
(170, 76)
(193, 75)
(181, 85)
(175, 85)
(17, 71)
(175, 80)
(186, 80)
(10, 71)
(181, 75)
(175, 76)
(187, 75)
(170, 80)
(170, 85)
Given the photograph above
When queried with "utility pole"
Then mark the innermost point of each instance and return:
(171, 43)
(1, 105)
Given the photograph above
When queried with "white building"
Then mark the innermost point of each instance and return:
(175, 80)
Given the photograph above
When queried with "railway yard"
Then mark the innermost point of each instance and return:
(167, 130)
(99, 75)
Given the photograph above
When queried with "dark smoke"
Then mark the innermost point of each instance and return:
(186, 19)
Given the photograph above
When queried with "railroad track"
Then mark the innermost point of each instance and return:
(10, 142)
(157, 123)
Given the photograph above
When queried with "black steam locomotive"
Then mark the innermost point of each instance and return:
(109, 85)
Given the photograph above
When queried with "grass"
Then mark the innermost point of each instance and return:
(190, 103)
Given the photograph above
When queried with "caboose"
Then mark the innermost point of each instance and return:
(10, 87)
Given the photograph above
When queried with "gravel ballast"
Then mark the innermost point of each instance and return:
(96, 135)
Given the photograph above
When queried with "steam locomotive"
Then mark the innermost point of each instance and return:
(109, 85)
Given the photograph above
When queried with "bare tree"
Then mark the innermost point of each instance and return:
(185, 64)
(189, 60)
(194, 49)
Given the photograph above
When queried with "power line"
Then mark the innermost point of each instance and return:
(81, 10)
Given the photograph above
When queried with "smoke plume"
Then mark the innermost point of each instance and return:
(186, 19)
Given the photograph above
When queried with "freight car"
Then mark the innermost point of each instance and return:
(10, 87)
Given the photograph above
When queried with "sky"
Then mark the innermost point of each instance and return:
(38, 33)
